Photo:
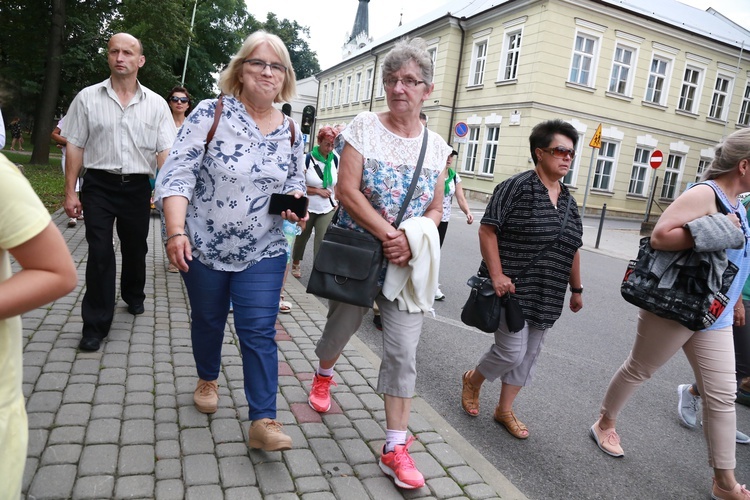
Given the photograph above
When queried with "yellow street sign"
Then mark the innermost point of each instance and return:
(596, 141)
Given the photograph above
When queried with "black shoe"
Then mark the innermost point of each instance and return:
(89, 344)
(377, 322)
(135, 309)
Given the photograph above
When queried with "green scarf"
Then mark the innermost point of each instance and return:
(327, 177)
(451, 175)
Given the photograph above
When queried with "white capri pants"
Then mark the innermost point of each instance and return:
(513, 356)
(401, 331)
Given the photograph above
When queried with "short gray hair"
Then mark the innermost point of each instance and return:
(728, 154)
(414, 49)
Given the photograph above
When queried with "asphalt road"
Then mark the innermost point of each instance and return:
(559, 460)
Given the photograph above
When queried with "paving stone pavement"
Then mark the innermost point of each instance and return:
(120, 423)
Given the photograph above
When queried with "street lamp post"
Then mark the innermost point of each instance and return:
(187, 50)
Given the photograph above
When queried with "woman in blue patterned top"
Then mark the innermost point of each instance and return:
(220, 235)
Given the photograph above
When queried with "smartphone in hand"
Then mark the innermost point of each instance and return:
(283, 202)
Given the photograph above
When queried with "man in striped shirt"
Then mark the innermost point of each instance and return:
(121, 131)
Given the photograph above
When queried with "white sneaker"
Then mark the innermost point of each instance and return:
(687, 406)
(439, 294)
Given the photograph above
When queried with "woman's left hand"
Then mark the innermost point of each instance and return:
(469, 218)
(576, 302)
(396, 248)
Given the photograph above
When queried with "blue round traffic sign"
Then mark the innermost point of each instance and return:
(461, 129)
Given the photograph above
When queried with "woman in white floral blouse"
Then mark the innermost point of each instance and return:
(377, 165)
(215, 199)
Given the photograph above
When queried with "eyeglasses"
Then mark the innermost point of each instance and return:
(183, 100)
(406, 82)
(258, 66)
(560, 152)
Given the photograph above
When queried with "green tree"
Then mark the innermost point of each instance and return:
(304, 60)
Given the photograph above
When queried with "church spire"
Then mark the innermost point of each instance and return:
(361, 21)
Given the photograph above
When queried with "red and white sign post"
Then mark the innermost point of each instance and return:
(657, 157)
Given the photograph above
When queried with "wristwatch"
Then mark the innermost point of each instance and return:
(576, 290)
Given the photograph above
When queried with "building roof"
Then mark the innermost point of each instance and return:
(705, 23)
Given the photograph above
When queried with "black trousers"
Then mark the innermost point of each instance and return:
(110, 199)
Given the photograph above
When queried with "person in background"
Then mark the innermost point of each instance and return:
(61, 143)
(423, 118)
(377, 167)
(47, 273)
(526, 214)
(321, 175)
(104, 129)
(452, 188)
(180, 104)
(215, 200)
(710, 352)
(15, 133)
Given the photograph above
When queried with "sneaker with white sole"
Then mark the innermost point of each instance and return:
(439, 295)
(320, 393)
(687, 406)
(399, 465)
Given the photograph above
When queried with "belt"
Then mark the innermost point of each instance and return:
(116, 178)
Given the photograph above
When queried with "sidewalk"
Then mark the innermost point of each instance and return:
(120, 423)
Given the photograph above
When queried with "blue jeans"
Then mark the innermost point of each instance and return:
(254, 293)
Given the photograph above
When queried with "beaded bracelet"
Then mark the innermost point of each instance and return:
(174, 236)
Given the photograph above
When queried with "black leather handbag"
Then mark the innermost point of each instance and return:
(348, 263)
(483, 307)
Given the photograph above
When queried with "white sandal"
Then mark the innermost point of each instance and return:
(285, 307)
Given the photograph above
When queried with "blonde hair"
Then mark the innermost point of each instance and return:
(229, 80)
(728, 154)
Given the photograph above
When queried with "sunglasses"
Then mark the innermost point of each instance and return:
(183, 100)
(560, 152)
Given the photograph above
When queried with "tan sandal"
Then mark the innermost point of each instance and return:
(469, 396)
(296, 271)
(508, 420)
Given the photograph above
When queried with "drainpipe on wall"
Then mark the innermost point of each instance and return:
(458, 77)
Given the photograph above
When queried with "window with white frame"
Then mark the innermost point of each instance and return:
(582, 64)
(433, 55)
(672, 173)
(622, 65)
(381, 86)
(472, 148)
(605, 166)
(339, 91)
(744, 118)
(656, 89)
(720, 98)
(639, 172)
(333, 92)
(690, 90)
(703, 164)
(510, 55)
(357, 86)
(368, 84)
(570, 177)
(324, 99)
(490, 150)
(478, 61)
(347, 89)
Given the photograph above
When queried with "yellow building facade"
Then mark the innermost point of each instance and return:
(644, 72)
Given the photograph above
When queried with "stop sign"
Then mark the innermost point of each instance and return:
(656, 158)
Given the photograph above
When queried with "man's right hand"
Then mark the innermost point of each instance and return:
(72, 205)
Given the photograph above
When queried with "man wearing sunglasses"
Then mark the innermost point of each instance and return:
(120, 131)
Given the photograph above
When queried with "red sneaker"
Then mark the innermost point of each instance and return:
(399, 465)
(320, 393)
